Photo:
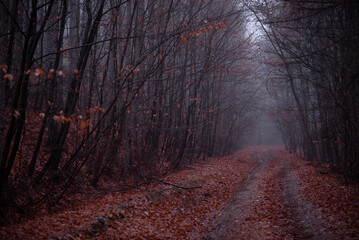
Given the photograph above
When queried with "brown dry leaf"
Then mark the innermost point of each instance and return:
(8, 76)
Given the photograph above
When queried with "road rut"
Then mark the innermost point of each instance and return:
(268, 205)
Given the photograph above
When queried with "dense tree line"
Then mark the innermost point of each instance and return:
(122, 88)
(313, 67)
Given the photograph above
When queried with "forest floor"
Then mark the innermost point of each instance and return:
(256, 193)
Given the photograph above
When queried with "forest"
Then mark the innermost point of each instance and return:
(110, 96)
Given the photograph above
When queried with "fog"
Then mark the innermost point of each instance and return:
(265, 132)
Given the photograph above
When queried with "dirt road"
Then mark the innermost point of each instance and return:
(268, 205)
(256, 193)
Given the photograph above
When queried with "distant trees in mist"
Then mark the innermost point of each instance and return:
(313, 65)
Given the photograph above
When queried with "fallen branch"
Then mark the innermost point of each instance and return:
(177, 186)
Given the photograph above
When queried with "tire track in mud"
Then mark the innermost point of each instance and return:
(231, 217)
(307, 222)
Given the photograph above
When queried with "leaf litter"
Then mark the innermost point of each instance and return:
(185, 204)
(155, 211)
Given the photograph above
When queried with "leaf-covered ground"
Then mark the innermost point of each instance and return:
(257, 193)
(157, 211)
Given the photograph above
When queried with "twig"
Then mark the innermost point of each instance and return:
(177, 186)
